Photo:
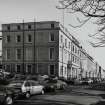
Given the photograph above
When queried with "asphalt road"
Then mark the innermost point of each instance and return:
(40, 102)
(74, 96)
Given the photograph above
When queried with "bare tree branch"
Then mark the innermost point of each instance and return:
(90, 9)
(81, 23)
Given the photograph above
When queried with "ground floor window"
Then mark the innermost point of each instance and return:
(29, 68)
(61, 70)
(18, 68)
(8, 68)
(52, 69)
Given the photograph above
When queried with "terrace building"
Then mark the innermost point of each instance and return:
(45, 48)
(37, 48)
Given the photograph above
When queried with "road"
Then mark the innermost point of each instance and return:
(78, 96)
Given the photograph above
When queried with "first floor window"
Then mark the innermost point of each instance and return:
(8, 38)
(51, 53)
(8, 54)
(18, 54)
(52, 71)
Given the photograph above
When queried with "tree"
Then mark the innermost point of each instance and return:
(90, 9)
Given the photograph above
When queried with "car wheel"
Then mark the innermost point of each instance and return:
(27, 95)
(42, 92)
(8, 100)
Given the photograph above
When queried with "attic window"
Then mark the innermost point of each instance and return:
(52, 25)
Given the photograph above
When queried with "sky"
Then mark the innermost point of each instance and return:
(45, 10)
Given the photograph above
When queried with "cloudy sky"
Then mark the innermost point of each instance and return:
(45, 10)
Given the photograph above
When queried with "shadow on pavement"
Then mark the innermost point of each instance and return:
(102, 95)
(99, 103)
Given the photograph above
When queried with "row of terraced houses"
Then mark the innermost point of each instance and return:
(46, 48)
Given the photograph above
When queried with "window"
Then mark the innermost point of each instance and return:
(8, 38)
(73, 58)
(52, 25)
(8, 28)
(18, 38)
(61, 70)
(8, 68)
(52, 71)
(65, 42)
(73, 48)
(29, 26)
(29, 53)
(29, 38)
(61, 38)
(29, 68)
(51, 53)
(69, 45)
(18, 68)
(69, 57)
(65, 71)
(18, 54)
(52, 37)
(8, 54)
(18, 27)
(78, 52)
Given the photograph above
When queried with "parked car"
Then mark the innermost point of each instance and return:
(77, 82)
(7, 95)
(3, 73)
(17, 88)
(86, 81)
(28, 87)
(52, 85)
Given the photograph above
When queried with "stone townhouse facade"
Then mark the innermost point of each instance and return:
(37, 48)
(69, 55)
(31, 48)
(45, 48)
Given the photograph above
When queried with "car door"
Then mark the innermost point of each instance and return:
(28, 87)
(35, 88)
